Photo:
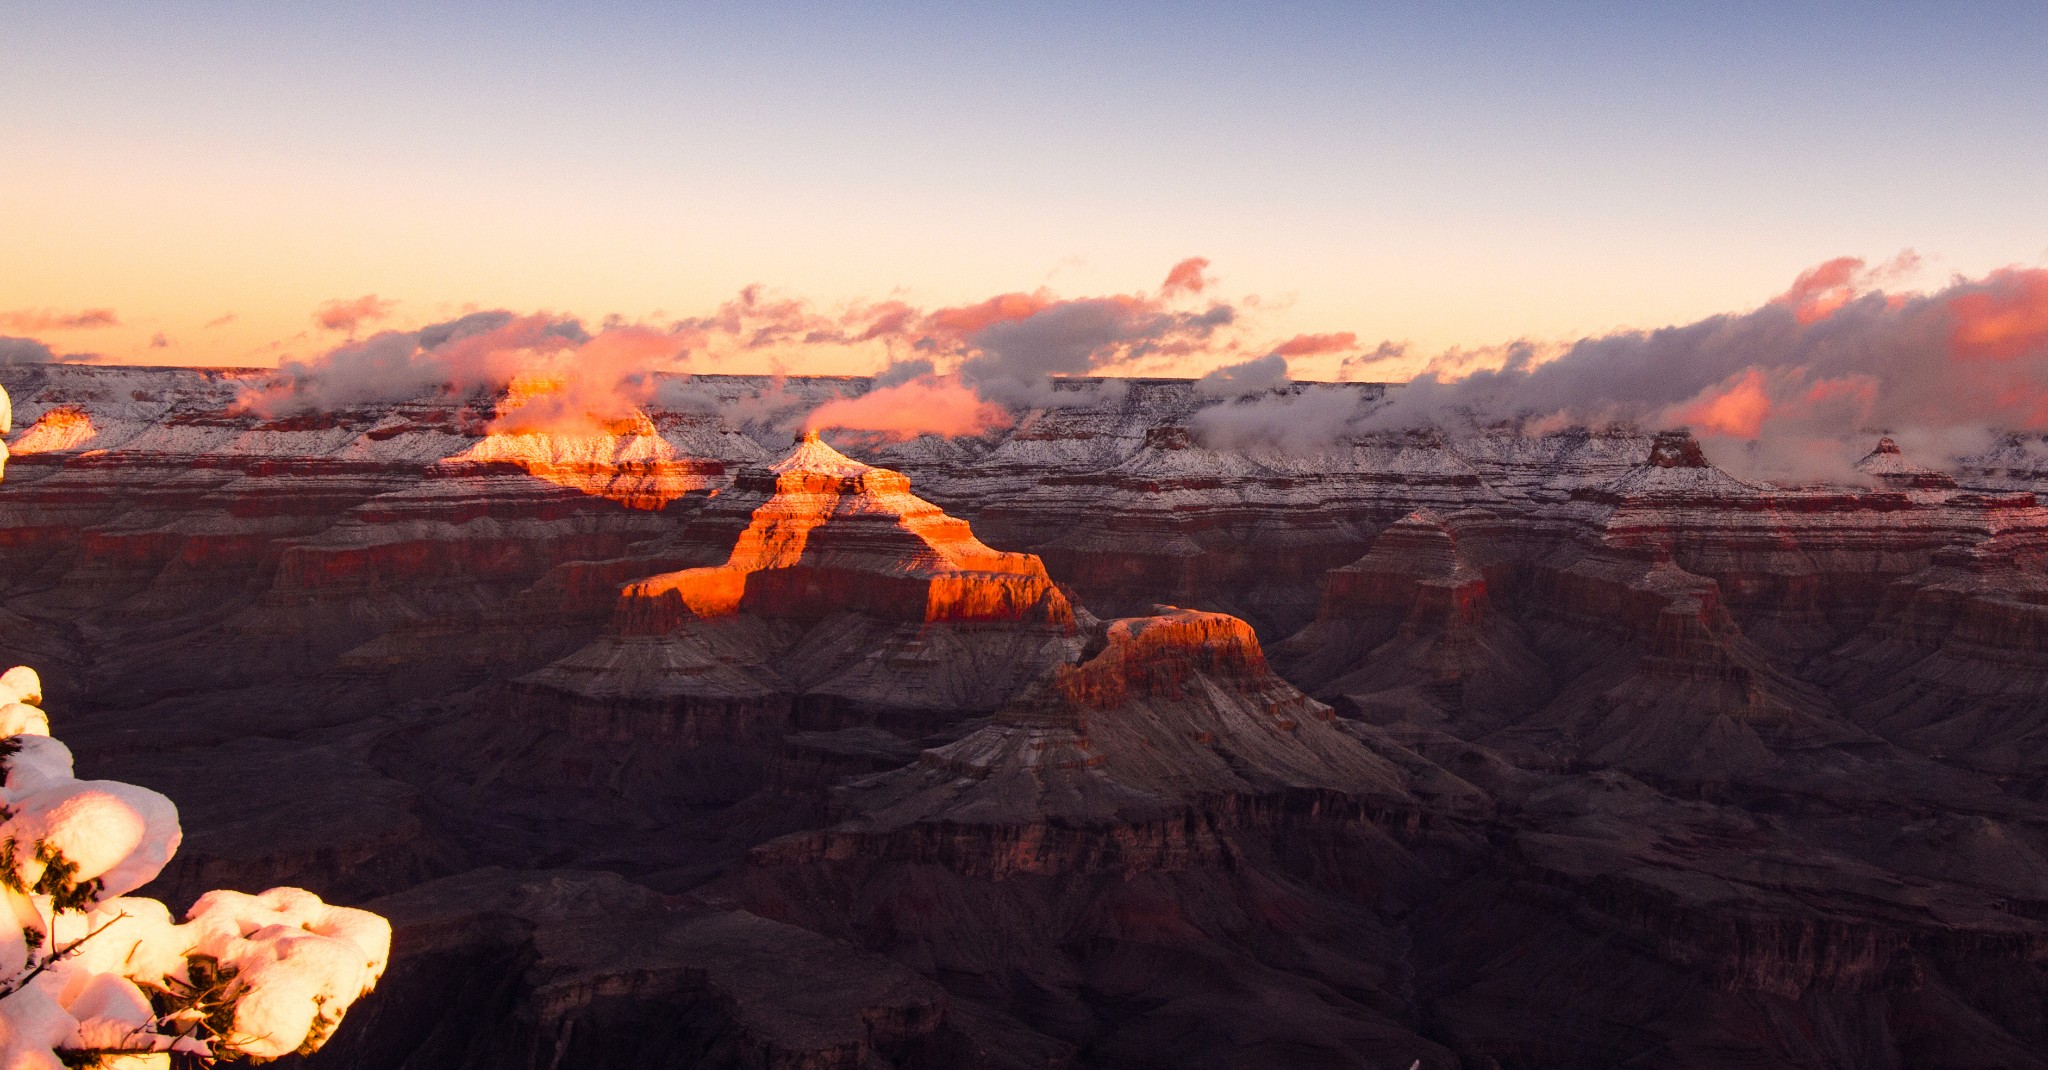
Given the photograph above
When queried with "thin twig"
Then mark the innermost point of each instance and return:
(12, 987)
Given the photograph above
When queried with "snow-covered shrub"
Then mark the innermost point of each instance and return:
(90, 976)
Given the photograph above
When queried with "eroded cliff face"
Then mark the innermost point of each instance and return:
(1572, 750)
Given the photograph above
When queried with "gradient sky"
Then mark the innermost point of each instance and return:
(1446, 174)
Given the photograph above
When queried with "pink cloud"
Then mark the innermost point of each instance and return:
(927, 405)
(1736, 408)
(2004, 318)
(1186, 277)
(347, 315)
(1309, 345)
(966, 320)
(592, 385)
(1820, 290)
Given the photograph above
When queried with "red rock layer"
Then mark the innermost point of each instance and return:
(1414, 569)
(1410, 629)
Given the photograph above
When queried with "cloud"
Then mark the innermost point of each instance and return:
(1005, 350)
(903, 371)
(775, 406)
(24, 351)
(159, 340)
(884, 320)
(348, 315)
(1311, 418)
(2002, 318)
(52, 320)
(1013, 360)
(1381, 354)
(1250, 377)
(1262, 409)
(1736, 407)
(592, 383)
(1822, 289)
(757, 319)
(1828, 361)
(219, 321)
(479, 351)
(926, 405)
(1312, 345)
(1186, 277)
(953, 324)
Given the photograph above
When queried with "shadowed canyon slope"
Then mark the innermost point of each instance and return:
(685, 742)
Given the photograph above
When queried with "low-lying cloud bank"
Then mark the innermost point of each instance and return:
(1803, 378)
(953, 370)
(1797, 385)
(24, 351)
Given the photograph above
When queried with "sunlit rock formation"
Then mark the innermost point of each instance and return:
(845, 598)
(827, 534)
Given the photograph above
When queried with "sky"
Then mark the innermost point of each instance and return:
(194, 183)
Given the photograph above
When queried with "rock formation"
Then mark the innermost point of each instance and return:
(844, 594)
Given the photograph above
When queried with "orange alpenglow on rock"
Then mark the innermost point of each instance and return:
(57, 430)
(601, 446)
(625, 459)
(833, 535)
(1157, 656)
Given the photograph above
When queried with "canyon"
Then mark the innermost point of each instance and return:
(688, 739)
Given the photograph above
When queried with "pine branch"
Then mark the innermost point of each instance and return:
(11, 987)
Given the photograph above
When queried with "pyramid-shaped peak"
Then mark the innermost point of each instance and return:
(812, 454)
(1676, 469)
(1419, 547)
(1888, 463)
(818, 533)
(1677, 449)
(1887, 459)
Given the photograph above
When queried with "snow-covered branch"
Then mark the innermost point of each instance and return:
(92, 976)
